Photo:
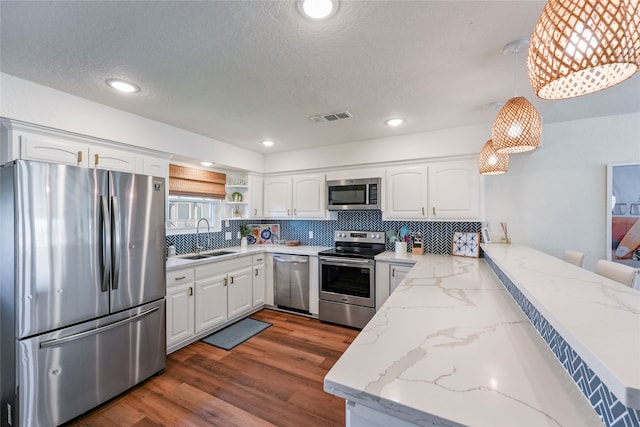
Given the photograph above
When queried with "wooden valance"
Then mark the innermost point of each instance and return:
(186, 181)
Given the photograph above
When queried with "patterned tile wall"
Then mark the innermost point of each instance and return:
(437, 235)
(606, 404)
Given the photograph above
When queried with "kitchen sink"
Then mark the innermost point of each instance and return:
(209, 255)
(218, 254)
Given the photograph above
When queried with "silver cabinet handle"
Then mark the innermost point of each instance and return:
(256, 273)
(434, 210)
(190, 291)
(57, 341)
(288, 212)
(295, 212)
(393, 272)
(423, 211)
(232, 280)
(79, 157)
(224, 281)
(255, 211)
(180, 278)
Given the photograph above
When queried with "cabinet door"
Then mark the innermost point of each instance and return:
(397, 273)
(240, 292)
(155, 166)
(35, 147)
(255, 196)
(454, 190)
(112, 159)
(211, 301)
(179, 313)
(259, 280)
(309, 196)
(277, 197)
(406, 192)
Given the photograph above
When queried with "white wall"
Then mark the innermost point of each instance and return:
(554, 198)
(441, 143)
(33, 103)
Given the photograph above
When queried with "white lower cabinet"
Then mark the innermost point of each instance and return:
(397, 273)
(180, 305)
(211, 298)
(240, 289)
(202, 299)
(389, 274)
(259, 280)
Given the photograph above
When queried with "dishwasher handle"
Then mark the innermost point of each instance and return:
(291, 260)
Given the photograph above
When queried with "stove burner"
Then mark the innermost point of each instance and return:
(357, 244)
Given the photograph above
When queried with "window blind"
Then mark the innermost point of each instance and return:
(186, 181)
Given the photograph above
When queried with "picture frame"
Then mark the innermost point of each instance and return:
(486, 237)
(623, 213)
(465, 244)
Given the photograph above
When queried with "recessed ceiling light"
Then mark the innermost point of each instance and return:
(267, 143)
(317, 10)
(394, 122)
(123, 86)
(206, 164)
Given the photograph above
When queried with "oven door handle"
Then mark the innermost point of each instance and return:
(342, 261)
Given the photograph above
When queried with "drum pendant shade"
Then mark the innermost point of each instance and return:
(490, 162)
(517, 128)
(583, 46)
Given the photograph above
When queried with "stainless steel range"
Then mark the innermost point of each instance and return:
(347, 278)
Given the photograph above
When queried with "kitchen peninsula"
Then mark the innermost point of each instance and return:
(451, 347)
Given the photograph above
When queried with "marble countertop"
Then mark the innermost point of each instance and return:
(175, 263)
(598, 317)
(451, 347)
(391, 256)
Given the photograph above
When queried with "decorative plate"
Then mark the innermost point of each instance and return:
(466, 244)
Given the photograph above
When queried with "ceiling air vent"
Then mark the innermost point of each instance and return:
(331, 117)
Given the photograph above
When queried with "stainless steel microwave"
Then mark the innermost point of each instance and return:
(353, 194)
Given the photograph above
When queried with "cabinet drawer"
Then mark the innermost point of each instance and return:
(258, 259)
(179, 276)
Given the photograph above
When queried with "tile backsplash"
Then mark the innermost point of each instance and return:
(436, 235)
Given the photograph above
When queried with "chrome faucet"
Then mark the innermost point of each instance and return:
(198, 247)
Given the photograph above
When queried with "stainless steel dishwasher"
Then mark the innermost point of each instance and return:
(291, 277)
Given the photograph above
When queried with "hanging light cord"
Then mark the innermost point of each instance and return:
(516, 51)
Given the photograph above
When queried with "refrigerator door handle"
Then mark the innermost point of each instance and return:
(59, 341)
(105, 246)
(117, 241)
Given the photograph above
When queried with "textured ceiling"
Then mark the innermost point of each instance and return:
(243, 71)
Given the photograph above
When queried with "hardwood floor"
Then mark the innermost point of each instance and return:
(273, 379)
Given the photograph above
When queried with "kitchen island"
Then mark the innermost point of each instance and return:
(451, 347)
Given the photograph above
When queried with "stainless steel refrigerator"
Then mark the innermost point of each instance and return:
(82, 270)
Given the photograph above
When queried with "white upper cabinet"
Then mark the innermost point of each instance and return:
(113, 159)
(454, 190)
(256, 184)
(300, 196)
(278, 198)
(309, 196)
(32, 142)
(406, 192)
(47, 149)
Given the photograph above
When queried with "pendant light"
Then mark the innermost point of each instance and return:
(490, 162)
(583, 46)
(518, 127)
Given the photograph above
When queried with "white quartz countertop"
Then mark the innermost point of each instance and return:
(175, 263)
(451, 347)
(598, 317)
